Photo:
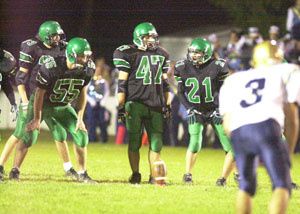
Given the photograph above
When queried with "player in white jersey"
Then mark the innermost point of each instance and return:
(255, 104)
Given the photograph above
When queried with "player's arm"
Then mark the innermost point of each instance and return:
(166, 89)
(225, 103)
(21, 80)
(37, 110)
(81, 103)
(122, 87)
(291, 125)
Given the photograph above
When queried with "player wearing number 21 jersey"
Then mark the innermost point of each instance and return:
(256, 105)
(199, 78)
(143, 91)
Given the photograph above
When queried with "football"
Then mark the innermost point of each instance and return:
(159, 171)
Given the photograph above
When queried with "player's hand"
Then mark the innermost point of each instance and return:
(33, 125)
(167, 112)
(80, 126)
(191, 118)
(216, 117)
(121, 114)
(14, 112)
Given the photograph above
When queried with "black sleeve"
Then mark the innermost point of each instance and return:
(8, 89)
(120, 59)
(27, 54)
(223, 71)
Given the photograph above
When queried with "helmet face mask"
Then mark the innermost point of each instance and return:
(145, 36)
(199, 52)
(78, 52)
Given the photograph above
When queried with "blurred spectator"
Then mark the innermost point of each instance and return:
(233, 51)
(293, 16)
(103, 69)
(216, 46)
(179, 114)
(249, 41)
(274, 35)
(97, 114)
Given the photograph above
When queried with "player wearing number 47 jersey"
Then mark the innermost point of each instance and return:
(143, 92)
(49, 41)
(256, 105)
(199, 78)
(59, 82)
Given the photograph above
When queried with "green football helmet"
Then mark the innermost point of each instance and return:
(145, 36)
(49, 29)
(199, 52)
(76, 47)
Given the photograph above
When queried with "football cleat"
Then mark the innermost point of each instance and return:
(85, 178)
(71, 173)
(221, 182)
(187, 178)
(14, 174)
(295, 186)
(151, 180)
(135, 178)
(236, 177)
(2, 172)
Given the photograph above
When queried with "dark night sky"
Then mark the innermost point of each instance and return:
(106, 24)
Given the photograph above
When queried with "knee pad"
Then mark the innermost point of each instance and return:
(156, 142)
(80, 138)
(195, 144)
(135, 142)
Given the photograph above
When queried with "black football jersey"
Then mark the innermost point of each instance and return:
(201, 84)
(63, 85)
(145, 69)
(30, 58)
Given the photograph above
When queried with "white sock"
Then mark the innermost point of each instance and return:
(81, 172)
(67, 166)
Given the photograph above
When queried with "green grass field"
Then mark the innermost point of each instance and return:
(44, 189)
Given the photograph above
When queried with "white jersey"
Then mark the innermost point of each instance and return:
(259, 94)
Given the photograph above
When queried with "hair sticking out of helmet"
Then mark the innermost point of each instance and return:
(266, 54)
(199, 52)
(145, 36)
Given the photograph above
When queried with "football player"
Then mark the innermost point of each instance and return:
(143, 93)
(60, 81)
(51, 42)
(8, 67)
(199, 78)
(256, 105)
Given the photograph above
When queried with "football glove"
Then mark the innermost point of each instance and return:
(167, 112)
(121, 114)
(216, 117)
(14, 112)
(191, 118)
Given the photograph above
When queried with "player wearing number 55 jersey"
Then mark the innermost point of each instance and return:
(256, 105)
(199, 78)
(143, 92)
(59, 82)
